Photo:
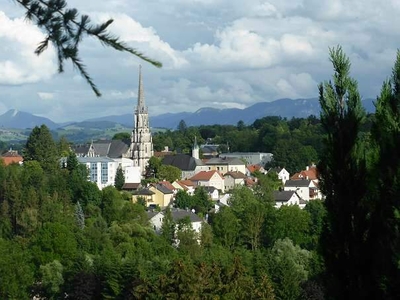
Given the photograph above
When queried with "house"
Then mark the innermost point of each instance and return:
(233, 179)
(145, 194)
(306, 189)
(288, 198)
(186, 163)
(169, 186)
(282, 173)
(131, 187)
(209, 150)
(162, 197)
(251, 158)
(209, 178)
(212, 192)
(195, 221)
(155, 219)
(12, 157)
(250, 169)
(225, 165)
(310, 173)
(186, 185)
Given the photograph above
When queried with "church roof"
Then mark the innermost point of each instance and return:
(183, 162)
(118, 148)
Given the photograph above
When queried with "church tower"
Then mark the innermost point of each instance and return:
(141, 141)
(195, 149)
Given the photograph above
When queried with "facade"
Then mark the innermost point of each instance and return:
(209, 178)
(282, 173)
(305, 189)
(288, 198)
(102, 170)
(225, 165)
(141, 148)
(233, 179)
(251, 158)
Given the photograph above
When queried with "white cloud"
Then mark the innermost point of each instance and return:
(46, 96)
(18, 63)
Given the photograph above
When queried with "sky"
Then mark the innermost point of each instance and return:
(215, 53)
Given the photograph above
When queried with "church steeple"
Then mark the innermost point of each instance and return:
(141, 148)
(140, 104)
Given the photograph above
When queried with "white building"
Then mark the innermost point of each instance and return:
(251, 158)
(102, 170)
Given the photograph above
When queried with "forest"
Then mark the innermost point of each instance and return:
(63, 238)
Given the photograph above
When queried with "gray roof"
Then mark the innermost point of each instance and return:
(180, 214)
(183, 162)
(81, 149)
(163, 189)
(283, 196)
(276, 169)
(152, 213)
(209, 189)
(224, 161)
(94, 159)
(144, 192)
(297, 183)
(209, 148)
(235, 175)
(118, 148)
(101, 147)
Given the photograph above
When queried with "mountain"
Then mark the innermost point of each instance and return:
(21, 120)
(286, 108)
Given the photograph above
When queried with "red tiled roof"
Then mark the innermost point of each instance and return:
(253, 168)
(205, 175)
(12, 159)
(250, 182)
(168, 185)
(311, 174)
(163, 153)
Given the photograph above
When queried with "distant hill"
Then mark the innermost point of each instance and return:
(286, 108)
(21, 120)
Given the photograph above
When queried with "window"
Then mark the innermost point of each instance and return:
(104, 173)
(93, 172)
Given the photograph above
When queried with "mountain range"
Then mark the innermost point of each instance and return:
(286, 108)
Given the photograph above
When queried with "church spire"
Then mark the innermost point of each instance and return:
(140, 105)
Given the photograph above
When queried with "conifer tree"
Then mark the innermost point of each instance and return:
(385, 225)
(79, 215)
(65, 28)
(41, 147)
(119, 179)
(343, 182)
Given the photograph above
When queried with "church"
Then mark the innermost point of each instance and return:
(103, 157)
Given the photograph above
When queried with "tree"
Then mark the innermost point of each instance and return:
(182, 127)
(41, 147)
(384, 241)
(288, 266)
(65, 29)
(52, 278)
(121, 136)
(169, 173)
(119, 179)
(343, 182)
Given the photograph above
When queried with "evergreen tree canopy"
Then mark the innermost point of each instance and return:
(41, 147)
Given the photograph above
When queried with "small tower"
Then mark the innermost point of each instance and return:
(141, 141)
(196, 149)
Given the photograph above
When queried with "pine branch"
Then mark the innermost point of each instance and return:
(65, 33)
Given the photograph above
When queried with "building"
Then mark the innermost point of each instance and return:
(12, 157)
(234, 179)
(251, 158)
(288, 198)
(306, 189)
(102, 170)
(209, 178)
(141, 148)
(282, 173)
(226, 164)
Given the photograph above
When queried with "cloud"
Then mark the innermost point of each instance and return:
(46, 96)
(18, 63)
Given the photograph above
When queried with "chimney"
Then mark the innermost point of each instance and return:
(307, 168)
